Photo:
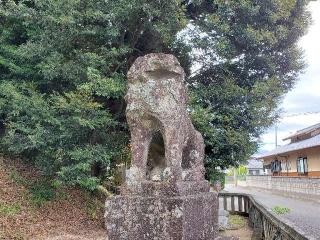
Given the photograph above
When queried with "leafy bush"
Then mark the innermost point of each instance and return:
(218, 176)
(63, 134)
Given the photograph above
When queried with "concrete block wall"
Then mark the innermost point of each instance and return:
(259, 181)
(305, 187)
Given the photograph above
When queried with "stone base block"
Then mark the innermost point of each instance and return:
(191, 217)
(169, 189)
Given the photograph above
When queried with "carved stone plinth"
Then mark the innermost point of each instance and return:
(180, 213)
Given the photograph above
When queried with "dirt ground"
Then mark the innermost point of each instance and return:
(69, 216)
(241, 228)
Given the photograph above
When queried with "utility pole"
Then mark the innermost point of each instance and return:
(235, 176)
(276, 134)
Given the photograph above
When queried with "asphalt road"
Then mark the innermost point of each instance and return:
(304, 215)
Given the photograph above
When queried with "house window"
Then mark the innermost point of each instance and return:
(285, 165)
(288, 165)
(276, 166)
(302, 165)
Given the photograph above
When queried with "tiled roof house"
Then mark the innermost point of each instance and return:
(301, 157)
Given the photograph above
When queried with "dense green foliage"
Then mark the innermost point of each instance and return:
(63, 71)
(250, 59)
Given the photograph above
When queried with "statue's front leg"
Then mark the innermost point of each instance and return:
(173, 151)
(140, 140)
(194, 156)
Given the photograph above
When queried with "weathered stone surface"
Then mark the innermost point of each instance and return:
(166, 188)
(223, 219)
(227, 238)
(189, 217)
(165, 145)
(165, 196)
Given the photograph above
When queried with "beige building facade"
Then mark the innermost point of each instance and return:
(301, 157)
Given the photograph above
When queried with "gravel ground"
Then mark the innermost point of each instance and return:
(304, 215)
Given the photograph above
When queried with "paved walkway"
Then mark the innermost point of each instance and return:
(304, 215)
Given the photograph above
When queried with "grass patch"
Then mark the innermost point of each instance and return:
(10, 209)
(17, 178)
(41, 190)
(18, 236)
(237, 221)
(280, 210)
(93, 206)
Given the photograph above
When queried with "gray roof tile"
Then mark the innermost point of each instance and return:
(308, 143)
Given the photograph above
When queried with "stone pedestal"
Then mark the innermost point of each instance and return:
(159, 211)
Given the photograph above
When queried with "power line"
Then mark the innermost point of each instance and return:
(300, 114)
(291, 115)
(267, 143)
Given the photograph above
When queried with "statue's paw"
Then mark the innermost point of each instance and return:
(167, 174)
(156, 174)
(133, 175)
(187, 175)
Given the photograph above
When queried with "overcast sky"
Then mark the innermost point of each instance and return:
(305, 97)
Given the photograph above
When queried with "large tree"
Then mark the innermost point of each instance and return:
(63, 68)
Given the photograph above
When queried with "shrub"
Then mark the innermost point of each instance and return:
(218, 176)
(64, 135)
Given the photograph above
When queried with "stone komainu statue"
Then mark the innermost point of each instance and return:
(165, 196)
(165, 144)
